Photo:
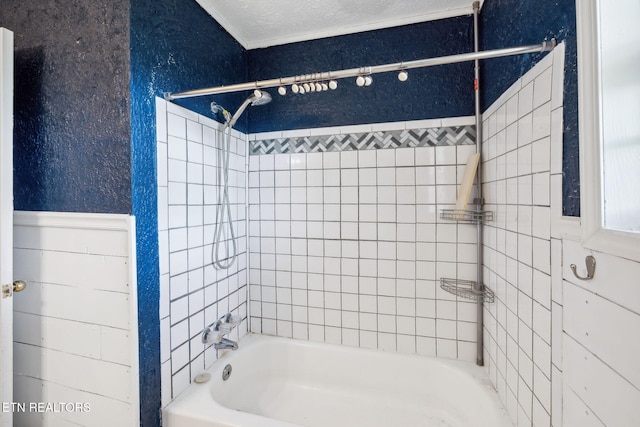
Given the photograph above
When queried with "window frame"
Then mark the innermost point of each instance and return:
(593, 234)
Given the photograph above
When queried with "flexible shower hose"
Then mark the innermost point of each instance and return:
(224, 208)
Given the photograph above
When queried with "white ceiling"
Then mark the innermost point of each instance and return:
(262, 23)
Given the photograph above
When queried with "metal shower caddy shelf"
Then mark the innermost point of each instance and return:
(466, 216)
(467, 289)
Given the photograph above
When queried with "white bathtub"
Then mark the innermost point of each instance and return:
(279, 382)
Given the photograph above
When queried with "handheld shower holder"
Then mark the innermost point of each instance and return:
(219, 109)
(216, 108)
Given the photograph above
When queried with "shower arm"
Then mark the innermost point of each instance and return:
(545, 46)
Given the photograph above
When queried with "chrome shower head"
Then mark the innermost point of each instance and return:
(258, 97)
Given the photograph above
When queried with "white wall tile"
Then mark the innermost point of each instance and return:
(331, 160)
(525, 100)
(314, 161)
(386, 214)
(405, 157)
(518, 248)
(176, 126)
(446, 155)
(541, 125)
(386, 158)
(298, 161)
(557, 79)
(281, 161)
(425, 156)
(556, 142)
(185, 165)
(542, 87)
(525, 130)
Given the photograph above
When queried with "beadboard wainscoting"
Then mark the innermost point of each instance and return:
(76, 322)
(600, 341)
(193, 294)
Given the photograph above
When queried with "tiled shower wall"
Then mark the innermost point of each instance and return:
(346, 244)
(193, 293)
(347, 247)
(522, 156)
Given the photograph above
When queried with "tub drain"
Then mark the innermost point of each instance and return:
(226, 372)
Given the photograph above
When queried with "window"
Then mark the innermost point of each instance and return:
(620, 102)
(609, 108)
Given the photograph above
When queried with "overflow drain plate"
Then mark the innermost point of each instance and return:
(226, 372)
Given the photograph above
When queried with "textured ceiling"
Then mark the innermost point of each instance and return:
(262, 23)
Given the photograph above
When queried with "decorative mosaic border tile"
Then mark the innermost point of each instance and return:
(454, 135)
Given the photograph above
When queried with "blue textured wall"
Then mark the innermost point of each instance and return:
(85, 119)
(431, 92)
(72, 137)
(72, 148)
(175, 45)
(506, 23)
(442, 91)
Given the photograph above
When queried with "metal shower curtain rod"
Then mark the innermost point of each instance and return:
(375, 69)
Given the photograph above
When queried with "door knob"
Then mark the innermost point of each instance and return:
(17, 286)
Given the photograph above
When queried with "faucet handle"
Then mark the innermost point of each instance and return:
(206, 335)
(232, 319)
(214, 334)
(221, 327)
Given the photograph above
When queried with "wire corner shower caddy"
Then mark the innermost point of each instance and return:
(318, 82)
(466, 216)
(467, 289)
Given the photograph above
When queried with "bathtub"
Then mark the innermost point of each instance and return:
(280, 382)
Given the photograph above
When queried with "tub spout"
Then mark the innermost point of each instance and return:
(226, 344)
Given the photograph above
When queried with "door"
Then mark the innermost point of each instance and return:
(6, 226)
